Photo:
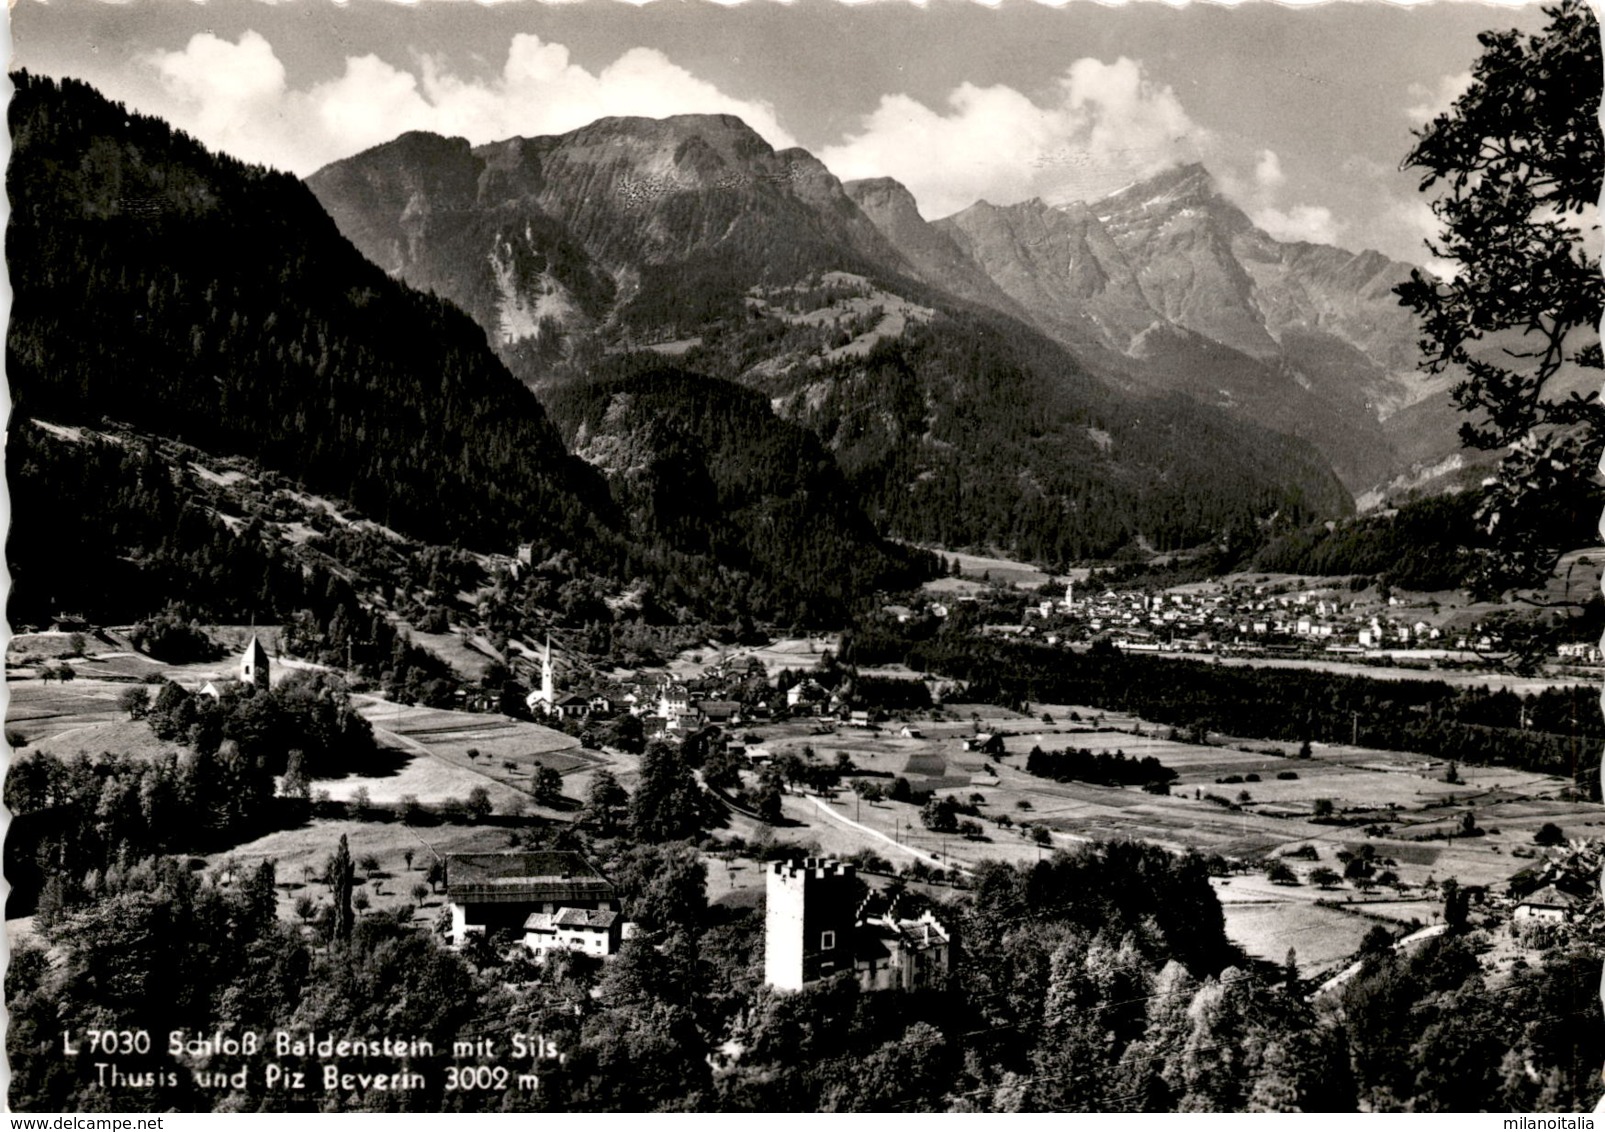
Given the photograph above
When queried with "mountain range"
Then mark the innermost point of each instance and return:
(675, 361)
(955, 417)
(634, 232)
(1168, 284)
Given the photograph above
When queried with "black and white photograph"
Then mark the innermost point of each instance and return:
(804, 557)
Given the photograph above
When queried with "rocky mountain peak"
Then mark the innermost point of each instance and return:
(886, 191)
(1178, 186)
(723, 132)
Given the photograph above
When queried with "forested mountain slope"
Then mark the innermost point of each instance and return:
(963, 432)
(704, 468)
(186, 293)
(192, 297)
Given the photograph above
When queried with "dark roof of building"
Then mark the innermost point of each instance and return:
(585, 918)
(1551, 897)
(924, 932)
(598, 918)
(523, 878)
(869, 943)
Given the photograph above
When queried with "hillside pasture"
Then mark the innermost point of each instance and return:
(799, 653)
(128, 667)
(1320, 937)
(300, 856)
(120, 737)
(401, 771)
(48, 645)
(996, 569)
(468, 656)
(39, 710)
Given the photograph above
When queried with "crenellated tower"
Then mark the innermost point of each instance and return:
(808, 922)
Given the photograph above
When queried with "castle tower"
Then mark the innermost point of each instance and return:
(254, 664)
(808, 922)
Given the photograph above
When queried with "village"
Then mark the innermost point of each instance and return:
(1248, 616)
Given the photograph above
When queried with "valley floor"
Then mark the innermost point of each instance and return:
(426, 755)
(1324, 925)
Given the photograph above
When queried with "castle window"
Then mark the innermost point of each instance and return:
(827, 941)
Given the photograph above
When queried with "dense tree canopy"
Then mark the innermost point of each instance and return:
(1517, 165)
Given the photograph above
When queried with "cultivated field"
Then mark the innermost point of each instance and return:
(431, 748)
(1521, 685)
(1406, 793)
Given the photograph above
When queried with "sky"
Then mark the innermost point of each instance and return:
(1302, 113)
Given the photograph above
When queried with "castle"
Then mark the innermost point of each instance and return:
(816, 927)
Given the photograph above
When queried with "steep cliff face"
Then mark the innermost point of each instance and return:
(1168, 285)
(1179, 236)
(1061, 266)
(930, 251)
(654, 222)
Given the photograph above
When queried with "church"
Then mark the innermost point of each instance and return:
(255, 668)
(543, 700)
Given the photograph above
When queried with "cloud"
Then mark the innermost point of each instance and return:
(1311, 223)
(1432, 101)
(1257, 184)
(1268, 170)
(1099, 126)
(234, 97)
(231, 86)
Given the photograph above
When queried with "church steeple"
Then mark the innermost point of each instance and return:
(254, 665)
(543, 700)
(548, 684)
